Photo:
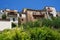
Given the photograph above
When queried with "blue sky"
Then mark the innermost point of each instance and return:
(33, 4)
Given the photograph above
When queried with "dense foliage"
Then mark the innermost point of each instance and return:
(37, 33)
(53, 23)
(4, 16)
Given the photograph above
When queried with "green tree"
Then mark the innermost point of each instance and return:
(4, 16)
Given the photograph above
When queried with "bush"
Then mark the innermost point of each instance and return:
(4, 16)
(46, 22)
(37, 23)
(37, 33)
(44, 33)
(56, 23)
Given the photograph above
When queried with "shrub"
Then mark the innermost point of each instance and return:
(37, 23)
(44, 33)
(47, 22)
(4, 16)
(7, 35)
(37, 33)
(56, 23)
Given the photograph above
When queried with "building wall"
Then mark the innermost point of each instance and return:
(52, 11)
(30, 16)
(22, 18)
(58, 13)
(38, 15)
(5, 25)
(12, 15)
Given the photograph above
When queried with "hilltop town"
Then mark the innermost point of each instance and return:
(7, 16)
(30, 24)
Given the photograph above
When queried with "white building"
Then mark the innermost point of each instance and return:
(52, 11)
(11, 17)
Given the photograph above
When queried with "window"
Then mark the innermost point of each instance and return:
(13, 19)
(11, 13)
(20, 15)
(22, 19)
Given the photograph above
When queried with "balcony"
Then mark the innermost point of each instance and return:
(38, 15)
(41, 15)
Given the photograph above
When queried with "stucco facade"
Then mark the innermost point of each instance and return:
(32, 15)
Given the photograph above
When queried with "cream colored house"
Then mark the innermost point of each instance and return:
(32, 15)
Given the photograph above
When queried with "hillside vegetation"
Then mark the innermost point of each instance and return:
(43, 29)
